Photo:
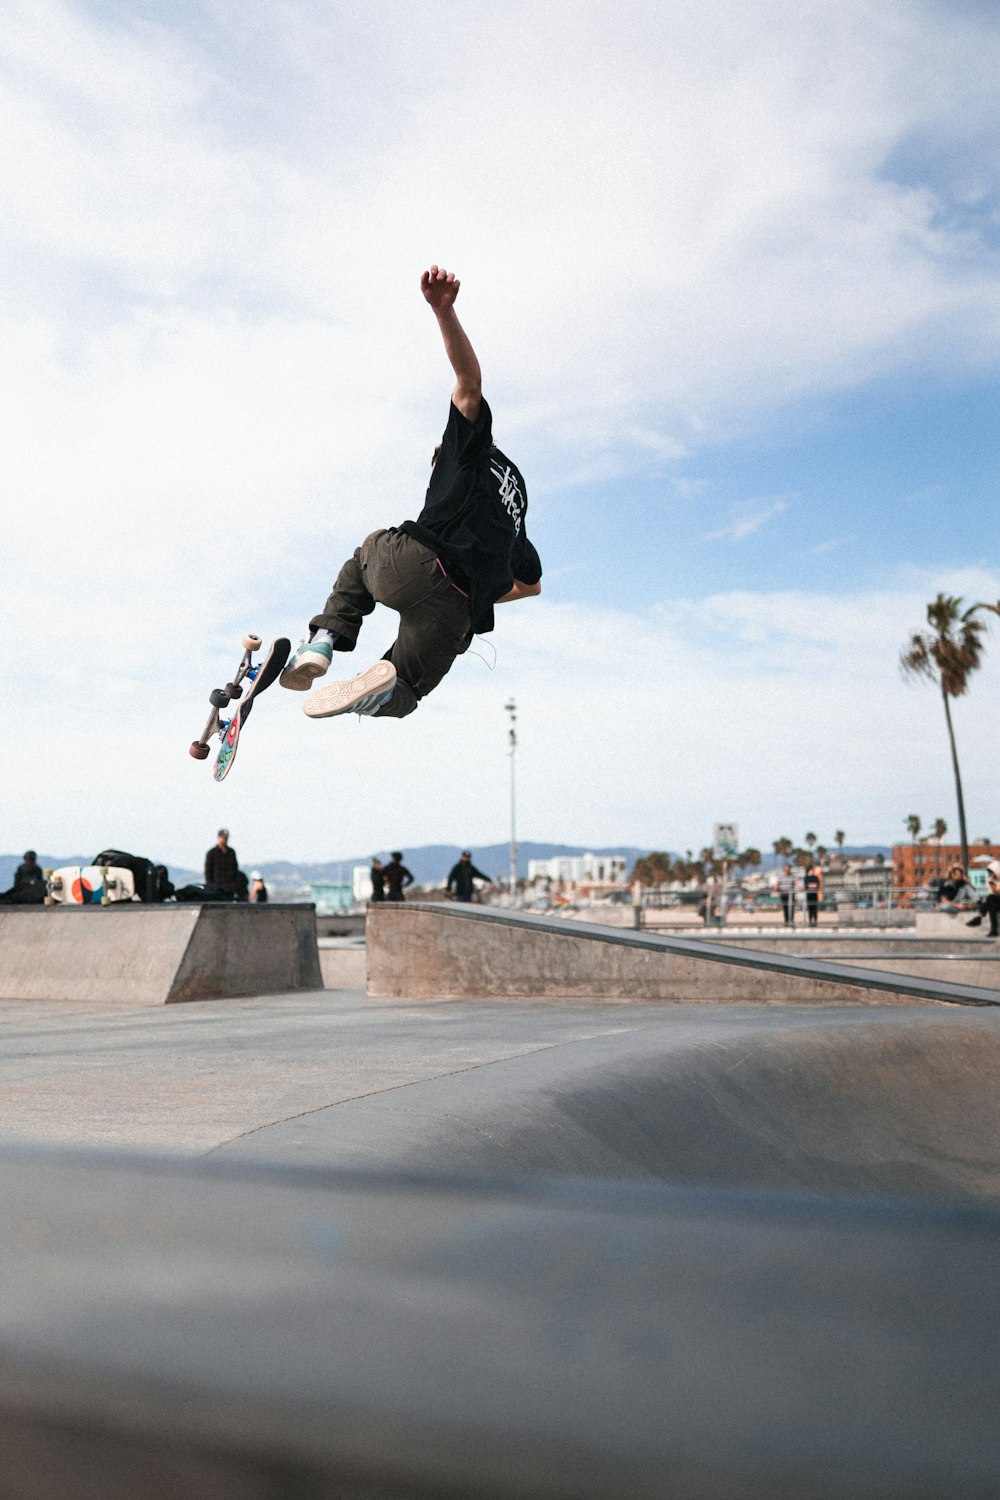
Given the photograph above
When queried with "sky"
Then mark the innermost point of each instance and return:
(731, 272)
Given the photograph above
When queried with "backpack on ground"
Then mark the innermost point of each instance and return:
(152, 882)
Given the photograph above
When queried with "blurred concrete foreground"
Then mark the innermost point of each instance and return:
(531, 1213)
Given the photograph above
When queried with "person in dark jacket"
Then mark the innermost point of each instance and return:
(462, 876)
(222, 868)
(396, 877)
(378, 880)
(29, 871)
(29, 883)
(467, 551)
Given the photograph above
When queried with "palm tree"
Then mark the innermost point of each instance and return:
(947, 655)
(913, 825)
(652, 869)
(839, 838)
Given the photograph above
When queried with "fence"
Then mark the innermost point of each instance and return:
(885, 906)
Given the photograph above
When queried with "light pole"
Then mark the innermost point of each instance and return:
(511, 708)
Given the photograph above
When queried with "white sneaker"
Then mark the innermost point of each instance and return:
(309, 660)
(363, 694)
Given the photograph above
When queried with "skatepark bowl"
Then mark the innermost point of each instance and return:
(542, 1210)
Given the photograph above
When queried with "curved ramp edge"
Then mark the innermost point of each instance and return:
(900, 1102)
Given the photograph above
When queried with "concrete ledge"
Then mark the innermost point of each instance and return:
(422, 950)
(133, 954)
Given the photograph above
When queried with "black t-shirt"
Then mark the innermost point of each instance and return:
(395, 875)
(473, 516)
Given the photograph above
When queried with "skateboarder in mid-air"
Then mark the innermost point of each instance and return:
(443, 573)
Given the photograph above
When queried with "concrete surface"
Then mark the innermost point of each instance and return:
(961, 958)
(343, 963)
(467, 952)
(175, 1332)
(424, 1249)
(897, 1100)
(946, 924)
(156, 955)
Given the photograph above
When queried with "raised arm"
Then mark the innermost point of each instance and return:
(440, 288)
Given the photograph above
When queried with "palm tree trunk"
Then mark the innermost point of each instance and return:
(958, 784)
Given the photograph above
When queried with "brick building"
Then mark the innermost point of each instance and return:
(913, 865)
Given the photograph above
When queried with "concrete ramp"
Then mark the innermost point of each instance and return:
(132, 954)
(425, 950)
(866, 1100)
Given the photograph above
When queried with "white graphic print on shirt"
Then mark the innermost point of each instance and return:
(510, 494)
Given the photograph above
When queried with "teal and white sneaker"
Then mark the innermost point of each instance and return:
(309, 660)
(363, 694)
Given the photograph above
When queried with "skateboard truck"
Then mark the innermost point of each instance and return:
(220, 697)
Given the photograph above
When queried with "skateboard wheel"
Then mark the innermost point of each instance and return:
(233, 690)
(252, 643)
(198, 750)
(218, 698)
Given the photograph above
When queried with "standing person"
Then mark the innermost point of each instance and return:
(786, 891)
(443, 573)
(378, 880)
(396, 878)
(222, 867)
(814, 893)
(462, 876)
(258, 890)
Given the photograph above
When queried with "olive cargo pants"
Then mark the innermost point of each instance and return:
(395, 569)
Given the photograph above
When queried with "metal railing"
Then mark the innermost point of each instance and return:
(848, 906)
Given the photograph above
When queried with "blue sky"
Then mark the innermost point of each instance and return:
(825, 497)
(732, 274)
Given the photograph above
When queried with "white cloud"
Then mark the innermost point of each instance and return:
(748, 518)
(785, 711)
(218, 375)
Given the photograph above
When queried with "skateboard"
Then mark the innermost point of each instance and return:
(89, 885)
(260, 676)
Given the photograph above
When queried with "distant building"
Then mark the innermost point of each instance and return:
(867, 881)
(580, 869)
(331, 897)
(913, 865)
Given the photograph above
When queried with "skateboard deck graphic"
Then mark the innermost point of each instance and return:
(89, 885)
(260, 676)
(266, 672)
